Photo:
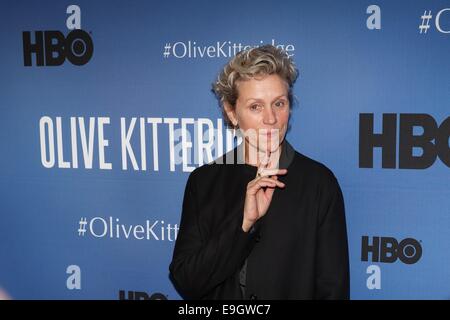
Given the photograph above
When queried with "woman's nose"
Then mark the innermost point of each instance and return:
(269, 116)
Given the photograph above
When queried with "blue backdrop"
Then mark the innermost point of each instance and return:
(94, 125)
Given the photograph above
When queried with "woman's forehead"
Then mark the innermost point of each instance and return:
(262, 88)
(257, 90)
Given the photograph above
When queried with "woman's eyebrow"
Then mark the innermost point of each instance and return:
(259, 99)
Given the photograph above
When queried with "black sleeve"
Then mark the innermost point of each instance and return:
(332, 265)
(199, 265)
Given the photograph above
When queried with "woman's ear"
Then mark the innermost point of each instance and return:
(230, 113)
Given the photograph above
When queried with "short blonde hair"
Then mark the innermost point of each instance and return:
(259, 61)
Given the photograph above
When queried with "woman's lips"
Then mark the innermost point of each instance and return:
(269, 133)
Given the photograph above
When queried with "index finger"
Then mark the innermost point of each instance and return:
(272, 172)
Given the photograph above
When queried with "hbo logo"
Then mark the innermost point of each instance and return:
(415, 150)
(388, 250)
(140, 295)
(52, 48)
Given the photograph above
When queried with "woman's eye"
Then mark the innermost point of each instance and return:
(254, 107)
(279, 104)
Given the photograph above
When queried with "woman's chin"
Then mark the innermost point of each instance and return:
(269, 148)
(264, 146)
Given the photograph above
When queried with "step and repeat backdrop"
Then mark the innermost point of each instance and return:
(106, 107)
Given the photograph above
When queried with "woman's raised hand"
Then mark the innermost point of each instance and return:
(259, 193)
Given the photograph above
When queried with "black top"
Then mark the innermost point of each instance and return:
(298, 250)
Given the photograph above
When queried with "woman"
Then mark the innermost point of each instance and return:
(263, 221)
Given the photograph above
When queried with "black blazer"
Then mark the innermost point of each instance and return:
(298, 250)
